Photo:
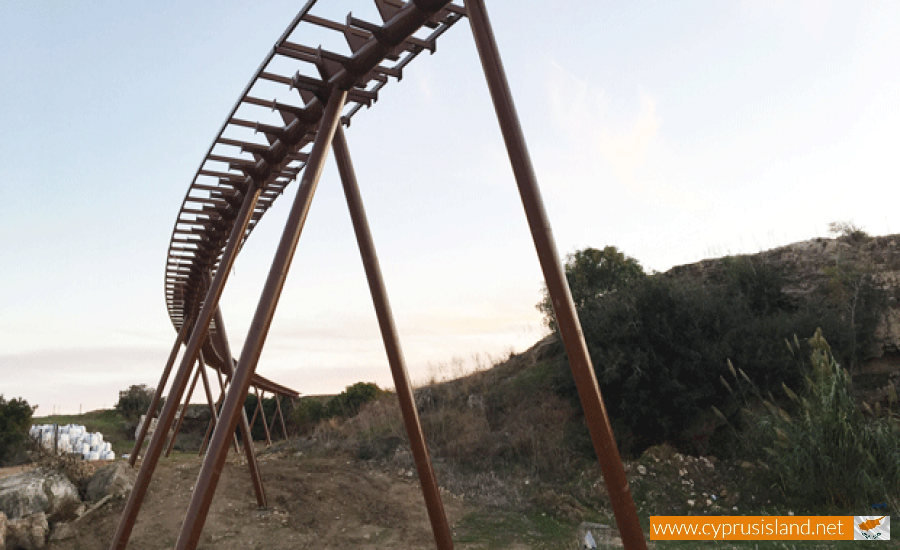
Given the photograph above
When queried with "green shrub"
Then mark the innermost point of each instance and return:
(135, 401)
(348, 402)
(307, 412)
(15, 420)
(659, 346)
(821, 449)
(593, 274)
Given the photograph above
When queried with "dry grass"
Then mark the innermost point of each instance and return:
(500, 414)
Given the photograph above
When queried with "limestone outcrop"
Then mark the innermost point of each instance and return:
(807, 265)
(39, 492)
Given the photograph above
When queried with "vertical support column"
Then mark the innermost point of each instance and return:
(198, 335)
(427, 479)
(259, 328)
(154, 402)
(557, 286)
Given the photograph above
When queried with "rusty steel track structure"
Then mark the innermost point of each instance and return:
(266, 143)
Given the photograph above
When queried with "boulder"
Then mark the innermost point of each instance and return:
(115, 479)
(39, 491)
(28, 532)
(62, 532)
(3, 523)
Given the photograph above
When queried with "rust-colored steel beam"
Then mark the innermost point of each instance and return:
(246, 435)
(198, 336)
(560, 295)
(262, 410)
(430, 489)
(213, 410)
(218, 406)
(280, 414)
(255, 411)
(160, 387)
(259, 328)
(184, 408)
(209, 429)
(207, 390)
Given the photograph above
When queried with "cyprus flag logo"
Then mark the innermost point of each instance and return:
(871, 527)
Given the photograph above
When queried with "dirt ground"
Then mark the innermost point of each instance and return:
(321, 502)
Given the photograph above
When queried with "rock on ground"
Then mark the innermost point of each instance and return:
(27, 532)
(38, 491)
(3, 524)
(115, 479)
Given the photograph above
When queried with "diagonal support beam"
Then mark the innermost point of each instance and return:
(278, 410)
(191, 353)
(430, 489)
(260, 409)
(557, 286)
(184, 406)
(249, 450)
(154, 402)
(213, 408)
(259, 328)
(255, 411)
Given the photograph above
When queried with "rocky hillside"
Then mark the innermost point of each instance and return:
(808, 266)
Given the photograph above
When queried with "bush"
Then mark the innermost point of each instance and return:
(822, 450)
(592, 274)
(307, 412)
(348, 402)
(135, 401)
(848, 230)
(659, 346)
(15, 420)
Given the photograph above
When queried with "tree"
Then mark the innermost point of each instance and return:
(15, 419)
(135, 401)
(848, 230)
(591, 274)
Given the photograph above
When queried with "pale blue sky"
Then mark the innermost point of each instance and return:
(675, 131)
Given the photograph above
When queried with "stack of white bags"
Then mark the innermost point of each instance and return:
(73, 438)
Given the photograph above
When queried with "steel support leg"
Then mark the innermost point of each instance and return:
(427, 479)
(281, 415)
(211, 425)
(184, 408)
(255, 411)
(154, 402)
(262, 411)
(213, 411)
(249, 450)
(259, 328)
(557, 286)
(198, 335)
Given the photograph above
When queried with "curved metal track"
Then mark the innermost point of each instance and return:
(265, 140)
